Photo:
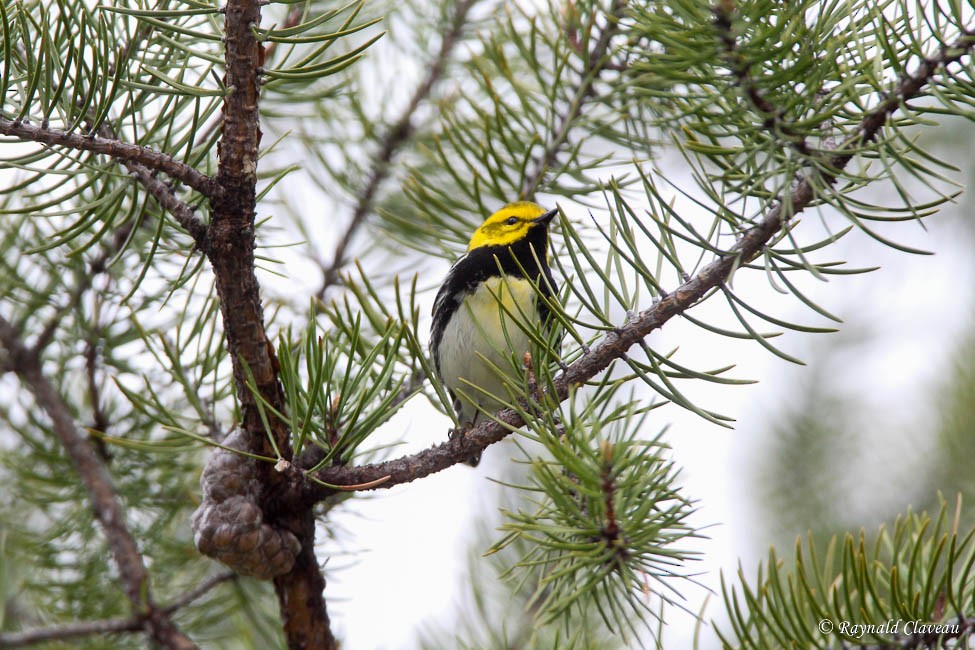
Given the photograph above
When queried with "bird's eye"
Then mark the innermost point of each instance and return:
(512, 221)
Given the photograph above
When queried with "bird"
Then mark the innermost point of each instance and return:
(476, 332)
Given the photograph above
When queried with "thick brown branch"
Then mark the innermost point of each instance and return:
(105, 503)
(397, 136)
(121, 151)
(231, 239)
(598, 62)
(230, 249)
(615, 344)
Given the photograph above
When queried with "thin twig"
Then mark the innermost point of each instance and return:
(184, 214)
(106, 626)
(163, 193)
(397, 136)
(773, 117)
(199, 590)
(69, 631)
(108, 509)
(586, 89)
(121, 151)
(616, 343)
(139, 161)
(96, 267)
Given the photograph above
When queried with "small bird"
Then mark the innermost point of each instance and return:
(476, 314)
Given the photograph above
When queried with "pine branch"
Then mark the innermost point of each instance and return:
(292, 20)
(231, 243)
(108, 509)
(95, 268)
(200, 590)
(139, 161)
(71, 631)
(184, 214)
(231, 231)
(108, 626)
(615, 344)
(596, 65)
(121, 151)
(773, 117)
(163, 193)
(397, 136)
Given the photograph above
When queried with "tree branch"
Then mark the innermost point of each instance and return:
(395, 138)
(586, 89)
(95, 267)
(184, 214)
(107, 626)
(773, 117)
(139, 161)
(121, 151)
(70, 631)
(615, 344)
(108, 509)
(231, 232)
(200, 590)
(165, 196)
(231, 243)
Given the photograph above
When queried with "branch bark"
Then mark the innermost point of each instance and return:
(615, 344)
(230, 249)
(71, 631)
(164, 194)
(108, 510)
(121, 151)
(142, 163)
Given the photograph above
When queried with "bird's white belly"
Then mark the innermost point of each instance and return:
(483, 343)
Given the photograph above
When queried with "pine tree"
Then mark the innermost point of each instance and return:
(158, 155)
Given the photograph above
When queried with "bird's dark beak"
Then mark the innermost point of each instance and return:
(547, 217)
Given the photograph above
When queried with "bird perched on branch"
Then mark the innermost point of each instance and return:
(491, 298)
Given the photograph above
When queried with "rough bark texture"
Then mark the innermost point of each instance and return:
(230, 248)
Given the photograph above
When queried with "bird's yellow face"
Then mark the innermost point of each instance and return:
(510, 224)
